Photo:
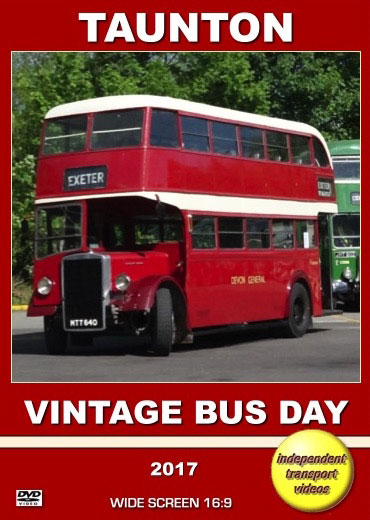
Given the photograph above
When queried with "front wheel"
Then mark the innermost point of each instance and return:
(162, 327)
(300, 316)
(56, 338)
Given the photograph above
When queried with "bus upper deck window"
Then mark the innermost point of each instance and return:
(252, 142)
(195, 133)
(321, 158)
(164, 131)
(65, 135)
(300, 149)
(117, 129)
(224, 138)
(277, 146)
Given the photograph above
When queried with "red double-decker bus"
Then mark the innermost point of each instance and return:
(161, 216)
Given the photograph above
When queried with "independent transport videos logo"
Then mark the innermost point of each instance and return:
(29, 497)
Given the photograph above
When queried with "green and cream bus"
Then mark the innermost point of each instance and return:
(344, 227)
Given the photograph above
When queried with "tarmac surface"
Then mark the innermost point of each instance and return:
(329, 352)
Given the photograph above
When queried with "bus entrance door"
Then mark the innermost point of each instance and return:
(325, 257)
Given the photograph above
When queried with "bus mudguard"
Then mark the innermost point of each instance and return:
(34, 311)
(141, 294)
(301, 277)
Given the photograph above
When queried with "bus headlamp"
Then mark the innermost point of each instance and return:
(44, 286)
(122, 282)
(347, 273)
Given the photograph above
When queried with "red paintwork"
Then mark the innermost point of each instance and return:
(211, 297)
(34, 311)
(184, 171)
(204, 277)
(141, 267)
(125, 171)
(141, 294)
(198, 172)
(213, 300)
(137, 266)
(160, 169)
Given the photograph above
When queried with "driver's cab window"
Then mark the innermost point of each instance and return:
(106, 232)
(113, 232)
(155, 231)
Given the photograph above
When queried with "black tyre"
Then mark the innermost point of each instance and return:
(162, 327)
(300, 316)
(56, 339)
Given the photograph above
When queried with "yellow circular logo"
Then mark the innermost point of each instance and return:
(312, 470)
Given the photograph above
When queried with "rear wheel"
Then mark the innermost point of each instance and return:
(56, 339)
(162, 328)
(300, 316)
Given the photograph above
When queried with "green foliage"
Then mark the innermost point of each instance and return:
(40, 84)
(23, 182)
(222, 79)
(21, 291)
(321, 89)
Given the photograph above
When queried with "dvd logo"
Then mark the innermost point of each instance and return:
(29, 497)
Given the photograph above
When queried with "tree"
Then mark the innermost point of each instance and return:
(23, 183)
(319, 88)
(222, 79)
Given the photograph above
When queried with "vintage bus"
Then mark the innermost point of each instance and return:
(160, 216)
(344, 227)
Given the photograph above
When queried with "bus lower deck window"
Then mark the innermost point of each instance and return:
(230, 232)
(154, 231)
(305, 233)
(282, 234)
(58, 229)
(203, 236)
(258, 233)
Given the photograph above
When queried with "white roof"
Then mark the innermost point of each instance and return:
(103, 104)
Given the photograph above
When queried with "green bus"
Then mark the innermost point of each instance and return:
(344, 227)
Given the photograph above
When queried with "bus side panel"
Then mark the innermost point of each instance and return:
(125, 171)
(295, 266)
(201, 172)
(225, 288)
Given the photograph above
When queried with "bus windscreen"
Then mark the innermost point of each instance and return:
(346, 230)
(58, 229)
(347, 169)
